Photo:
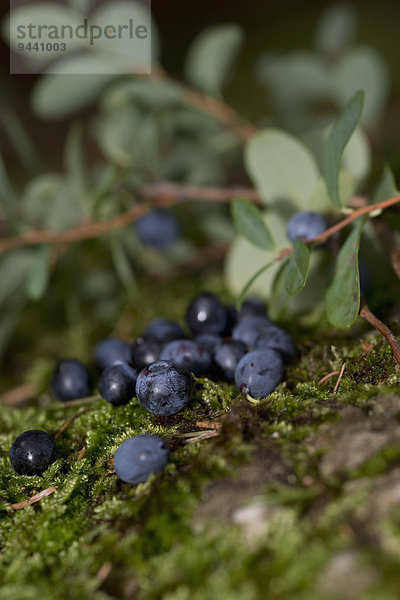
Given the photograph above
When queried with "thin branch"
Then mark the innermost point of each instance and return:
(211, 106)
(36, 498)
(339, 379)
(366, 314)
(71, 420)
(164, 194)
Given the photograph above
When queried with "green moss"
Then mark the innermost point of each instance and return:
(176, 536)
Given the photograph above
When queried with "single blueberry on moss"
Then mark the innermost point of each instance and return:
(248, 329)
(163, 387)
(163, 330)
(32, 452)
(109, 351)
(189, 354)
(259, 372)
(207, 314)
(227, 356)
(145, 351)
(140, 456)
(278, 339)
(117, 384)
(70, 380)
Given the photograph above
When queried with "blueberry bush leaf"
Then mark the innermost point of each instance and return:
(249, 223)
(210, 60)
(250, 282)
(342, 300)
(39, 274)
(281, 168)
(336, 29)
(336, 142)
(297, 266)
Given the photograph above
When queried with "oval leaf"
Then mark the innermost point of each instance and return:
(249, 223)
(337, 140)
(386, 188)
(342, 300)
(296, 269)
(281, 168)
(39, 275)
(211, 58)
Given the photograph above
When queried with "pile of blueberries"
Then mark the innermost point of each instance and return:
(244, 347)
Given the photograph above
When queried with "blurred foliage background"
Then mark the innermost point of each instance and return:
(69, 164)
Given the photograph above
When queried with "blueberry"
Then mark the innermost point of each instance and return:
(32, 452)
(305, 226)
(109, 351)
(188, 353)
(227, 356)
(145, 351)
(259, 372)
(252, 307)
(247, 329)
(163, 388)
(158, 229)
(163, 330)
(209, 341)
(206, 314)
(365, 277)
(278, 339)
(139, 456)
(117, 384)
(70, 380)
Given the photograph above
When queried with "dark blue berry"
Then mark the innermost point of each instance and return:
(117, 384)
(70, 380)
(365, 277)
(206, 314)
(109, 351)
(163, 388)
(209, 341)
(305, 226)
(32, 452)
(188, 353)
(227, 356)
(259, 372)
(252, 307)
(158, 229)
(278, 339)
(139, 456)
(145, 351)
(163, 330)
(248, 328)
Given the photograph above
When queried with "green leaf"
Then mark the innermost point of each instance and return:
(281, 168)
(56, 96)
(8, 195)
(211, 57)
(250, 282)
(335, 29)
(386, 188)
(243, 259)
(249, 223)
(75, 160)
(362, 68)
(121, 262)
(337, 140)
(296, 270)
(14, 270)
(342, 300)
(27, 153)
(39, 274)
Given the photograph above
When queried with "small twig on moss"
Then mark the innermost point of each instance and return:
(199, 436)
(325, 378)
(103, 572)
(366, 314)
(18, 395)
(71, 420)
(209, 424)
(339, 379)
(82, 401)
(81, 453)
(36, 498)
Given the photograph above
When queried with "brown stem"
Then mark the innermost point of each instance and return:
(164, 194)
(366, 314)
(212, 106)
